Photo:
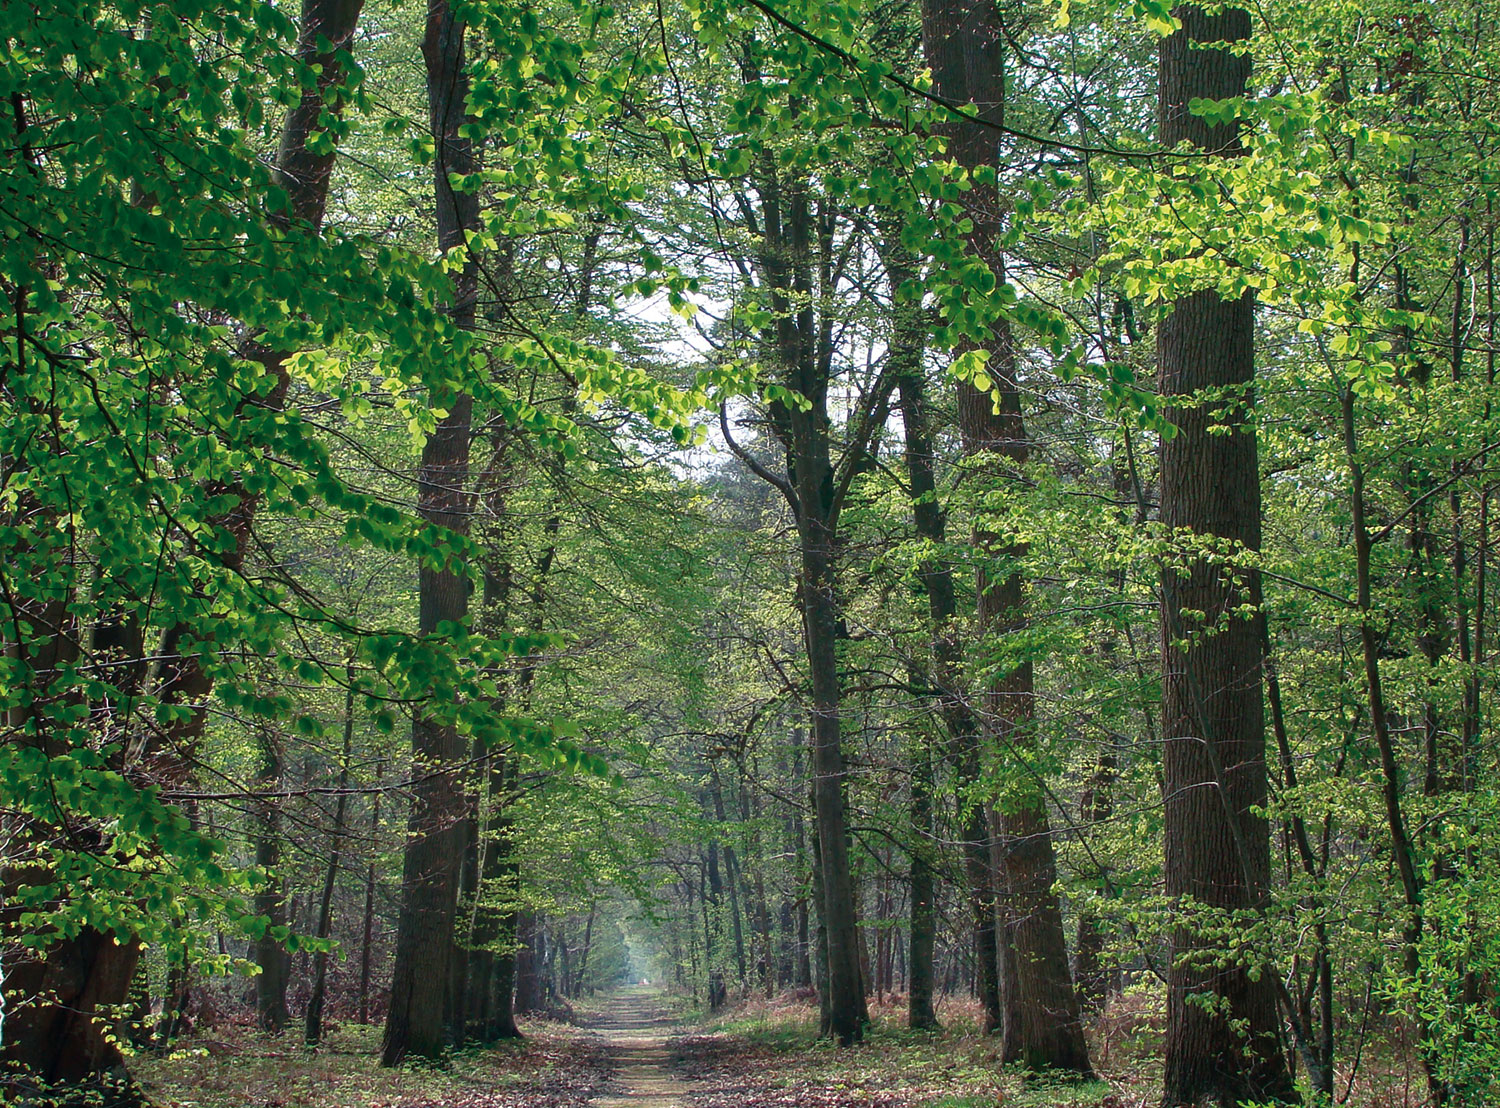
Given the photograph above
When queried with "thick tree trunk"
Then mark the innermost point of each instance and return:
(66, 1043)
(429, 879)
(527, 971)
(964, 43)
(1213, 760)
(502, 1024)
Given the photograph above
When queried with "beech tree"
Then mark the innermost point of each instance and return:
(429, 882)
(1213, 760)
(840, 493)
(1031, 1001)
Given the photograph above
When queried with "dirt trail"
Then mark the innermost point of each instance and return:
(637, 1029)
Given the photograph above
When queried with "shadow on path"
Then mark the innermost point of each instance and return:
(636, 1028)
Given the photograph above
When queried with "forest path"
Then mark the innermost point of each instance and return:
(636, 1028)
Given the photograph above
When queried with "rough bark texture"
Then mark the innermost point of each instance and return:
(1213, 760)
(429, 877)
(964, 42)
(63, 1042)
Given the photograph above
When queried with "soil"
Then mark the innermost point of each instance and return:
(636, 1028)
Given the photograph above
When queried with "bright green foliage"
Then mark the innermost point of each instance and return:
(148, 267)
(208, 420)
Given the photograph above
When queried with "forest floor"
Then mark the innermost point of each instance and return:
(766, 1054)
(641, 1048)
(636, 1048)
(555, 1066)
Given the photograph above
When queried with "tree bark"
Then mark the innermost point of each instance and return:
(369, 918)
(313, 1020)
(1041, 1028)
(271, 1013)
(1402, 850)
(920, 1013)
(528, 977)
(1213, 761)
(732, 876)
(804, 952)
(1089, 972)
(795, 264)
(429, 879)
(495, 923)
(908, 346)
(713, 913)
(62, 1040)
(847, 1012)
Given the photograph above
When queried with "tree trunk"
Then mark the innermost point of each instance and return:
(528, 978)
(1213, 760)
(271, 1013)
(732, 876)
(583, 952)
(66, 1042)
(364, 954)
(713, 913)
(1089, 972)
(820, 943)
(429, 878)
(502, 1023)
(964, 43)
(750, 812)
(907, 345)
(457, 1005)
(920, 1013)
(1402, 852)
(804, 952)
(313, 1025)
(980, 872)
(495, 923)
(804, 347)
